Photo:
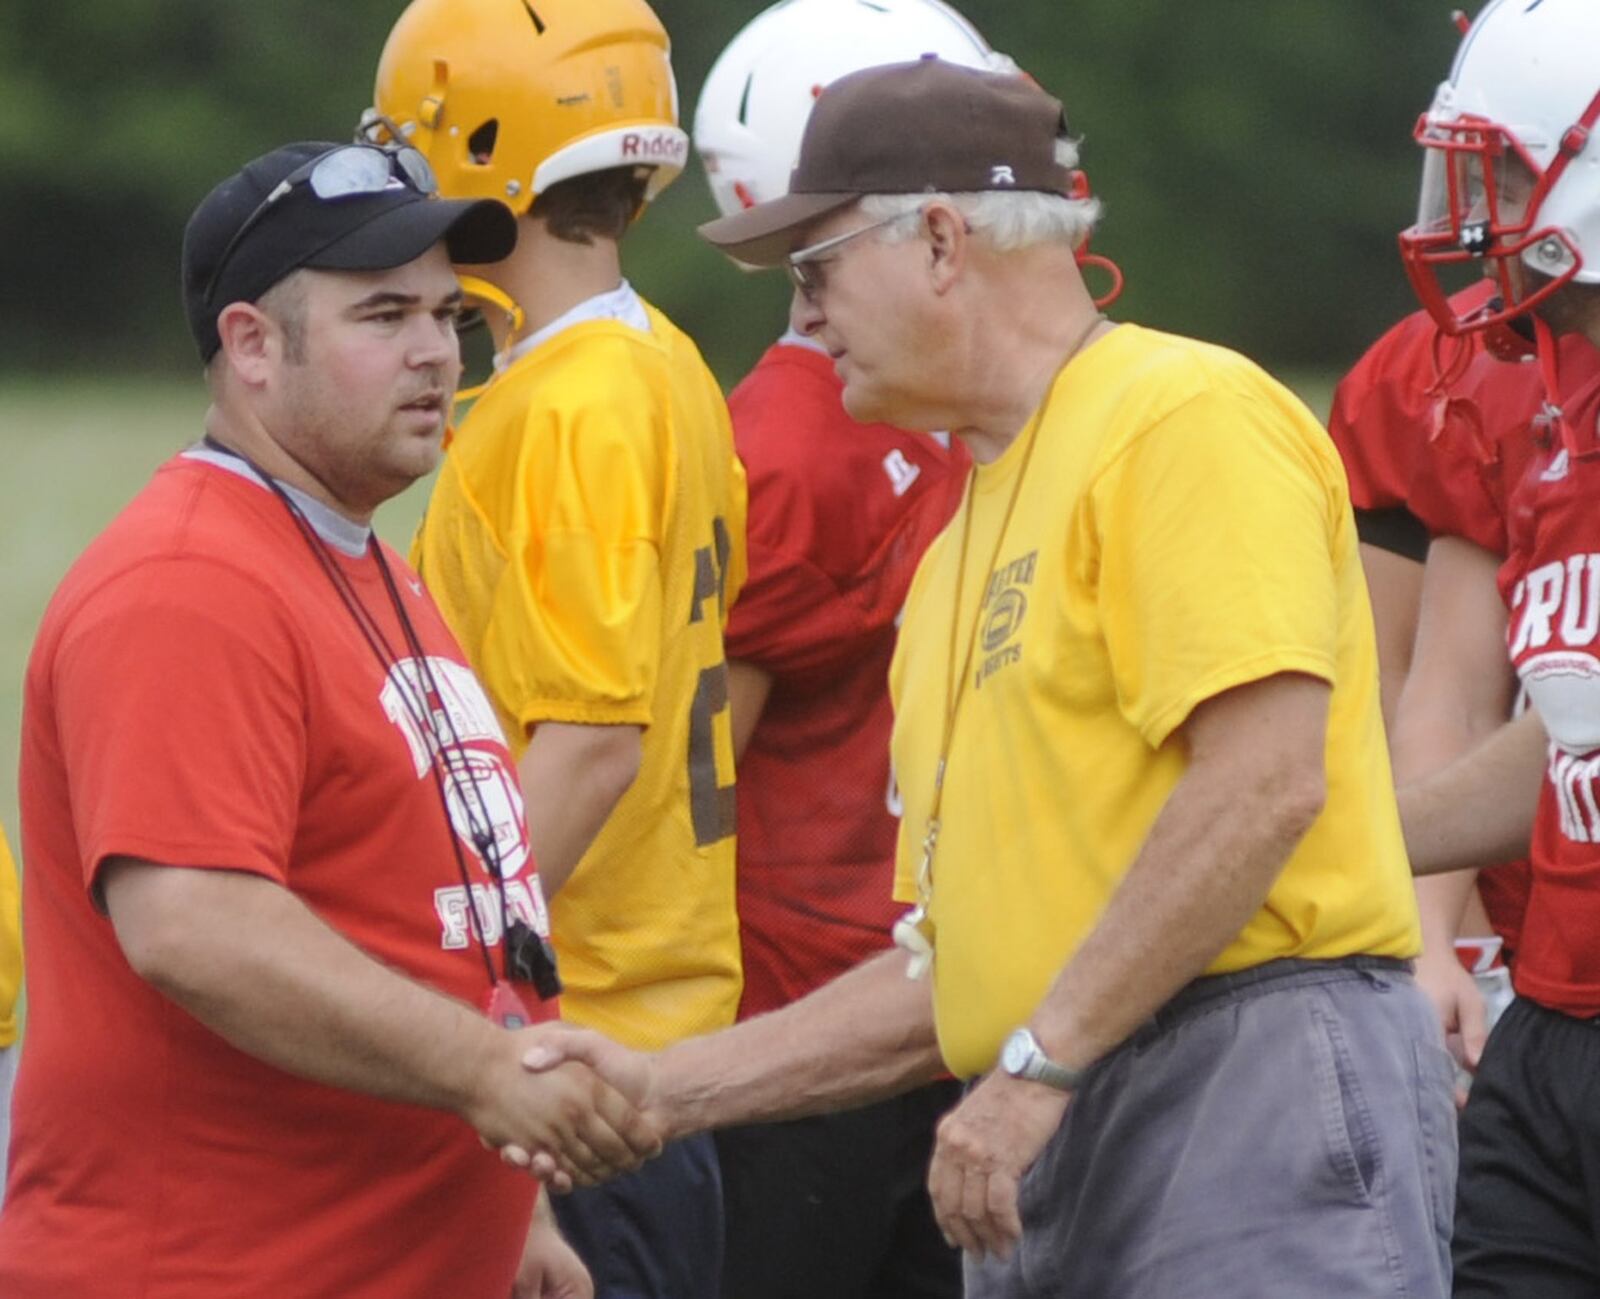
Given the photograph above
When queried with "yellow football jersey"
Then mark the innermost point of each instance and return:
(10, 944)
(584, 540)
(1184, 527)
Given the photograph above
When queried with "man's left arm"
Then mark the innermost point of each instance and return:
(573, 776)
(1253, 787)
(550, 1268)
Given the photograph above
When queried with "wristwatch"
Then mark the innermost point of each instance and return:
(1023, 1057)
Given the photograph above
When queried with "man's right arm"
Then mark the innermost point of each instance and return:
(255, 965)
(1468, 777)
(748, 687)
(1479, 810)
(1394, 585)
(1459, 692)
(573, 776)
(866, 1035)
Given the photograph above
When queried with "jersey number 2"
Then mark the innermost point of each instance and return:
(711, 803)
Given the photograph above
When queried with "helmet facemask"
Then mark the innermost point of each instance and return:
(1482, 214)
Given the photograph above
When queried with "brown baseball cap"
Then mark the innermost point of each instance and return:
(906, 128)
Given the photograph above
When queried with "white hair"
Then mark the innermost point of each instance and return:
(1006, 219)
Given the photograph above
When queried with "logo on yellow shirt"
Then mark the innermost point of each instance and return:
(1005, 605)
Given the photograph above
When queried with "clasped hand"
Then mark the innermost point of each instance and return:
(568, 1109)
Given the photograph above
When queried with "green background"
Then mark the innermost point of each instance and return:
(1254, 159)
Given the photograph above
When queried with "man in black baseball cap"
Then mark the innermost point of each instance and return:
(352, 207)
(294, 941)
(1150, 848)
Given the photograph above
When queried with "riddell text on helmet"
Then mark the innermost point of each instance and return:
(655, 146)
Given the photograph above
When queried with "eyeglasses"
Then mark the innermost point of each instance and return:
(806, 266)
(339, 173)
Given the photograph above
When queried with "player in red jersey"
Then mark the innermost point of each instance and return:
(840, 513)
(277, 862)
(1384, 414)
(1435, 432)
(1512, 186)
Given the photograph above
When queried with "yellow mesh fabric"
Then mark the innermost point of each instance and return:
(584, 541)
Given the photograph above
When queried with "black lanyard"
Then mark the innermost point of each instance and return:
(526, 955)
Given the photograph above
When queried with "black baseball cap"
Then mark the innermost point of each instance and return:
(906, 128)
(237, 245)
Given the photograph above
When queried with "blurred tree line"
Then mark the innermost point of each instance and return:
(1254, 157)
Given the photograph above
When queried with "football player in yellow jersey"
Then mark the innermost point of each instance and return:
(584, 540)
(10, 986)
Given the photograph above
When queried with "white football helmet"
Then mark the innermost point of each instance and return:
(1512, 169)
(758, 95)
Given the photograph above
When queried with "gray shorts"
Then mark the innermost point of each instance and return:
(1287, 1132)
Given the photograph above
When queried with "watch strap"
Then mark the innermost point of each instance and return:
(1038, 1067)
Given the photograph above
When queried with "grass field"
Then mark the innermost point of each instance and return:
(73, 452)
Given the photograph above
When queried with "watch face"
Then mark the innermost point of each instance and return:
(1014, 1054)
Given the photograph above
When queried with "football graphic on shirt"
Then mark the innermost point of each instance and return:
(441, 709)
(480, 788)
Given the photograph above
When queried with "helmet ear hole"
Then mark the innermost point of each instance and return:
(497, 89)
(480, 144)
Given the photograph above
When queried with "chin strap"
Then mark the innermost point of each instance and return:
(1550, 373)
(482, 291)
(1452, 354)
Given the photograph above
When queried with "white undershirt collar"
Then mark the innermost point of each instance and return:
(792, 337)
(620, 303)
(344, 535)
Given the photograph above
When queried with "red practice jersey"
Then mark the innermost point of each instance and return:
(1419, 446)
(840, 513)
(1431, 457)
(1452, 456)
(199, 696)
(1551, 582)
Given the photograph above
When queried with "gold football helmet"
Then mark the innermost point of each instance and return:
(507, 97)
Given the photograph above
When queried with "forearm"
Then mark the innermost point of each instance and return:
(866, 1035)
(748, 688)
(1394, 585)
(1461, 685)
(262, 971)
(1479, 810)
(1204, 870)
(572, 778)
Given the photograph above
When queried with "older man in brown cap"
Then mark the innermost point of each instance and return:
(1149, 830)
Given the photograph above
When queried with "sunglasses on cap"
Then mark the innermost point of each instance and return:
(351, 169)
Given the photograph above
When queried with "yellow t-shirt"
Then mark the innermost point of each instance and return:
(1184, 528)
(10, 944)
(584, 540)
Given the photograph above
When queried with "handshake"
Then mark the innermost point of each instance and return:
(570, 1106)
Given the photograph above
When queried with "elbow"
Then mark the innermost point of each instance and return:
(157, 948)
(1299, 797)
(146, 906)
(614, 762)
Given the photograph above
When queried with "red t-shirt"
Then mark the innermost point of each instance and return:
(199, 696)
(840, 513)
(1551, 582)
